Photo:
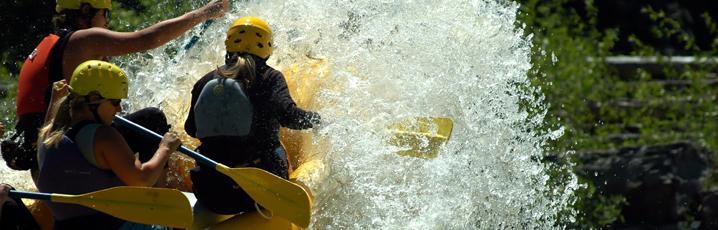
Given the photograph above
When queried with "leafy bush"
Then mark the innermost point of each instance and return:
(597, 104)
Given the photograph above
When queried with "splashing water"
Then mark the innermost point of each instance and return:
(389, 61)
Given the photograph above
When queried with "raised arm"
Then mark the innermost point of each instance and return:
(60, 90)
(99, 43)
(103, 42)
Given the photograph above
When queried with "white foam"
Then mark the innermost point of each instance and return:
(392, 60)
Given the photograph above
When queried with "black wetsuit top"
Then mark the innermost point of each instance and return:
(273, 108)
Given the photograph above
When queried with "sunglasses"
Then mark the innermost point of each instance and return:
(106, 14)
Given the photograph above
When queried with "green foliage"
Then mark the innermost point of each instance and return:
(584, 94)
(559, 33)
(600, 211)
(131, 15)
(591, 100)
(8, 89)
(7, 103)
(596, 104)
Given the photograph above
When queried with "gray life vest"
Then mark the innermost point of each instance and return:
(223, 109)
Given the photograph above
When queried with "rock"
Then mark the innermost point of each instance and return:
(709, 210)
(661, 184)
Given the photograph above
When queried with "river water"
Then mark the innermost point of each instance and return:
(386, 61)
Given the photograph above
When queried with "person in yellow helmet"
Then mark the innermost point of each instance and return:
(81, 34)
(80, 152)
(236, 112)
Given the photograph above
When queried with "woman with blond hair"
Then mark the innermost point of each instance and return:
(80, 152)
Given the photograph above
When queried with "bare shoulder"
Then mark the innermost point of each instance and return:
(91, 34)
(85, 45)
(107, 134)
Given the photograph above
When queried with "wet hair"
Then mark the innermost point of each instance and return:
(67, 19)
(240, 66)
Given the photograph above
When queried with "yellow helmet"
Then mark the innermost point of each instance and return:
(250, 35)
(75, 4)
(98, 76)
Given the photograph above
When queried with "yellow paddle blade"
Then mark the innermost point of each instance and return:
(167, 207)
(282, 197)
(421, 137)
(254, 221)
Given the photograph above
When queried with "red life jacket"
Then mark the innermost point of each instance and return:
(34, 78)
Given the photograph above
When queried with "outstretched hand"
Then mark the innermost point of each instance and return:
(216, 8)
(316, 120)
(319, 123)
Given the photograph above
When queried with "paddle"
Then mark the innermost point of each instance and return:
(422, 137)
(195, 38)
(282, 197)
(167, 207)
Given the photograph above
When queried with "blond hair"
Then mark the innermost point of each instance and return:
(243, 69)
(56, 126)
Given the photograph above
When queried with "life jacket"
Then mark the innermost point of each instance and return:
(34, 80)
(70, 168)
(223, 109)
(223, 115)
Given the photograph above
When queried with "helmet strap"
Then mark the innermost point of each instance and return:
(94, 108)
(96, 114)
